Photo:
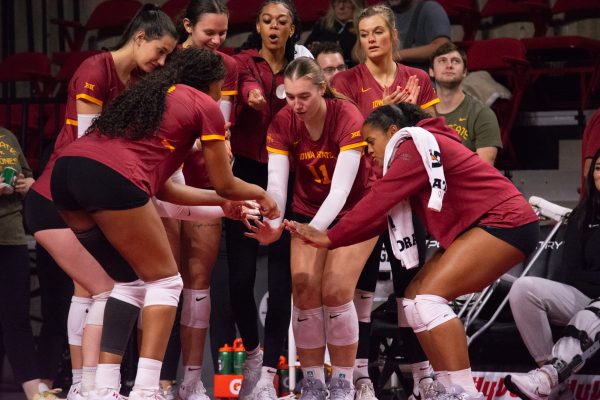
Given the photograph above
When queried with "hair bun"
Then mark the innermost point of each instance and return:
(150, 7)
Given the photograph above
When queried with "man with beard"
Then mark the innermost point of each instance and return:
(422, 27)
(475, 123)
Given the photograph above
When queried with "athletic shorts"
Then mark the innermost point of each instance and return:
(80, 183)
(524, 237)
(41, 214)
(305, 219)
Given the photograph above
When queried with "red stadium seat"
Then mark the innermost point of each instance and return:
(242, 15)
(174, 7)
(505, 60)
(109, 18)
(309, 12)
(464, 13)
(501, 12)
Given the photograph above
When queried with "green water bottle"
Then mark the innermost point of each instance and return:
(226, 360)
(239, 357)
(283, 370)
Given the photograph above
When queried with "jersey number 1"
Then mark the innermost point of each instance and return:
(325, 180)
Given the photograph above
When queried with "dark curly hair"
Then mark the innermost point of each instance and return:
(138, 111)
(152, 21)
(588, 209)
(401, 115)
(254, 40)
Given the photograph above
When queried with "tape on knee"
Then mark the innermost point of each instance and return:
(78, 312)
(413, 319)
(163, 292)
(363, 302)
(119, 319)
(96, 312)
(131, 293)
(195, 311)
(309, 328)
(109, 258)
(433, 310)
(341, 324)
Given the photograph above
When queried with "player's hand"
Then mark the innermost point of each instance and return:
(311, 236)
(241, 210)
(400, 94)
(263, 232)
(268, 207)
(256, 100)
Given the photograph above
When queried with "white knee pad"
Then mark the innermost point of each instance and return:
(96, 312)
(433, 310)
(309, 328)
(363, 302)
(76, 320)
(402, 319)
(195, 311)
(163, 292)
(341, 324)
(131, 292)
(413, 319)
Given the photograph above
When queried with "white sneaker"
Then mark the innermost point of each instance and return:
(44, 393)
(535, 385)
(427, 388)
(340, 389)
(252, 369)
(105, 394)
(264, 390)
(75, 392)
(169, 393)
(365, 390)
(312, 389)
(457, 393)
(193, 391)
(143, 394)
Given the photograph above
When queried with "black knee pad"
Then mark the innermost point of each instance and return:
(119, 320)
(109, 258)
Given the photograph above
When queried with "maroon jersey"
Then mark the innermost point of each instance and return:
(194, 171)
(358, 84)
(477, 194)
(230, 86)
(149, 162)
(249, 132)
(95, 81)
(315, 160)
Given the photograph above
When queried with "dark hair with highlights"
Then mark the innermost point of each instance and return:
(401, 115)
(254, 40)
(138, 111)
(195, 10)
(588, 209)
(154, 23)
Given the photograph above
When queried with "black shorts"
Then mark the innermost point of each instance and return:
(305, 219)
(41, 214)
(524, 237)
(80, 183)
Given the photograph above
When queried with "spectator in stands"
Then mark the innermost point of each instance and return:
(475, 123)
(537, 303)
(330, 58)
(17, 337)
(422, 27)
(338, 26)
(590, 143)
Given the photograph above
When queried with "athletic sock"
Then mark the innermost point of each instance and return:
(361, 369)
(314, 372)
(148, 374)
(343, 373)
(192, 373)
(464, 379)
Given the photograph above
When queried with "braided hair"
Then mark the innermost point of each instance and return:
(401, 115)
(138, 111)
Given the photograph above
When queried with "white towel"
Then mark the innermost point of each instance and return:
(400, 226)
